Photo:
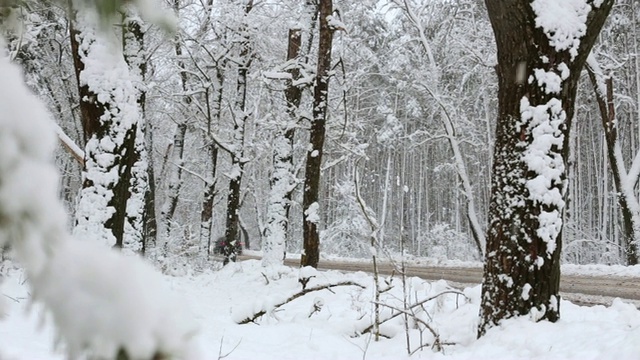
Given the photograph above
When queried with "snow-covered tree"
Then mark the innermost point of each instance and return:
(240, 117)
(283, 177)
(542, 48)
(110, 117)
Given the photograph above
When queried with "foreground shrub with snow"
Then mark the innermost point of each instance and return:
(101, 303)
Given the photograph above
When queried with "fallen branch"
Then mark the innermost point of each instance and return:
(419, 303)
(437, 344)
(297, 295)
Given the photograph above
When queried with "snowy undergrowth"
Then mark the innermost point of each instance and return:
(218, 299)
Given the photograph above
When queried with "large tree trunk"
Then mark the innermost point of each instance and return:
(110, 127)
(283, 176)
(538, 72)
(237, 162)
(310, 206)
(603, 90)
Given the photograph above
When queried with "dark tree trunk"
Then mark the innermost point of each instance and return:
(522, 268)
(310, 206)
(610, 126)
(99, 122)
(237, 161)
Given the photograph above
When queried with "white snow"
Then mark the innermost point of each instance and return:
(216, 299)
(311, 213)
(564, 22)
(543, 123)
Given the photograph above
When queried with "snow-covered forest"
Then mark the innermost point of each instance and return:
(189, 132)
(412, 108)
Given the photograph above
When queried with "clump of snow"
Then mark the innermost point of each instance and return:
(311, 213)
(564, 22)
(551, 81)
(542, 156)
(526, 289)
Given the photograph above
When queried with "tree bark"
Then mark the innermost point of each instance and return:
(283, 177)
(310, 206)
(109, 130)
(140, 213)
(522, 268)
(237, 162)
(206, 215)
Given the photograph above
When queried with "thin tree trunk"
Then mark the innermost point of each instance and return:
(237, 162)
(310, 206)
(176, 159)
(283, 177)
(206, 215)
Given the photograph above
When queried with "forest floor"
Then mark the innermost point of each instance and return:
(325, 324)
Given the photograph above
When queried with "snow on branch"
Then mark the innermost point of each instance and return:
(70, 145)
(305, 291)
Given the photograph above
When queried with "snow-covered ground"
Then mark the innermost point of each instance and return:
(295, 331)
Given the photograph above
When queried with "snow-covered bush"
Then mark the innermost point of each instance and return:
(444, 243)
(349, 235)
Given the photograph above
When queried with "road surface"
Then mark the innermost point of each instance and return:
(582, 289)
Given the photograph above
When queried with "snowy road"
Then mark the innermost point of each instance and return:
(574, 287)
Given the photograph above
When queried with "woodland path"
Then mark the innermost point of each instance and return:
(580, 289)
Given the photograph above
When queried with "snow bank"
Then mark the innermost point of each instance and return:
(294, 331)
